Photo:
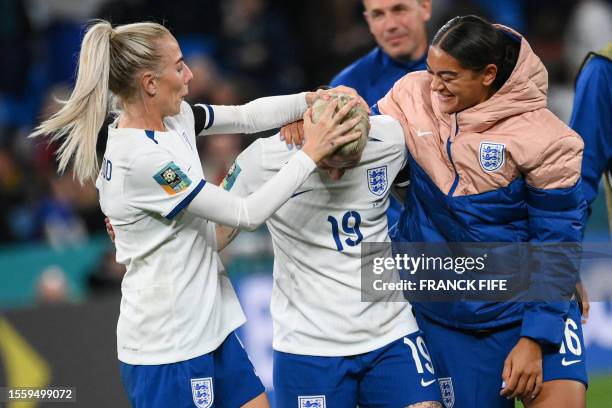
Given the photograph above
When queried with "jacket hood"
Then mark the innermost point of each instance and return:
(524, 91)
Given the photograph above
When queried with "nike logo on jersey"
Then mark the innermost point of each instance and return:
(426, 383)
(300, 192)
(421, 133)
(566, 363)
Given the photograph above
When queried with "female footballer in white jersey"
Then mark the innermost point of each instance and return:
(178, 310)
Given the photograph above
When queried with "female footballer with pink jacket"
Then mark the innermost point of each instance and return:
(490, 163)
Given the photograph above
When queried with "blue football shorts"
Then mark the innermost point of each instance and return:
(223, 378)
(396, 375)
(470, 364)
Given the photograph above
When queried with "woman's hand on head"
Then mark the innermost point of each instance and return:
(329, 133)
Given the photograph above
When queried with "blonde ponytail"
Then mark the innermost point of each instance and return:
(79, 120)
(108, 64)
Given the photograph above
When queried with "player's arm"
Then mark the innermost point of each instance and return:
(244, 177)
(214, 203)
(557, 211)
(256, 116)
(225, 235)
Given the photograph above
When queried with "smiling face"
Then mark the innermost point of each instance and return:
(398, 26)
(173, 78)
(458, 88)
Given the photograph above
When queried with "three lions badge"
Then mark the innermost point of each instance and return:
(492, 155)
(311, 401)
(447, 391)
(377, 180)
(202, 390)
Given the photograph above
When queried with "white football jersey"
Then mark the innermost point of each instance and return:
(316, 299)
(177, 301)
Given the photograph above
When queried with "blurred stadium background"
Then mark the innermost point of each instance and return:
(60, 286)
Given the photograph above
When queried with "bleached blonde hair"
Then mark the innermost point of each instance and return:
(109, 61)
(363, 125)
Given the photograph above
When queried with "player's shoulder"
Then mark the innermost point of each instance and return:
(358, 70)
(131, 140)
(386, 129)
(133, 146)
(266, 152)
(273, 145)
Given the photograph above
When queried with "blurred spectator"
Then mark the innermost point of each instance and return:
(444, 10)
(218, 152)
(12, 195)
(61, 224)
(330, 35)
(589, 28)
(258, 45)
(182, 17)
(15, 38)
(507, 12)
(208, 84)
(52, 286)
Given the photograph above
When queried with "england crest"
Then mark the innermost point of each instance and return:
(311, 401)
(492, 155)
(446, 389)
(202, 390)
(377, 180)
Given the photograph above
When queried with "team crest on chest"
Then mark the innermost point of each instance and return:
(377, 180)
(492, 155)
(202, 390)
(311, 401)
(446, 389)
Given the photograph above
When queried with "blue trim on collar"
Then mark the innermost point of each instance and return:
(151, 135)
(186, 201)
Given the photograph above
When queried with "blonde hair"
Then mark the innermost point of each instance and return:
(109, 60)
(363, 125)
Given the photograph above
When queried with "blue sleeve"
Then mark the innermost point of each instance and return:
(592, 120)
(555, 216)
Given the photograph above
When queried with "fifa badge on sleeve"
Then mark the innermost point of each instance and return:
(172, 179)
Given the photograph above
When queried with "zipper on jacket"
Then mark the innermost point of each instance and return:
(450, 157)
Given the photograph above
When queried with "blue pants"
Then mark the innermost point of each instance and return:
(222, 378)
(396, 375)
(470, 364)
